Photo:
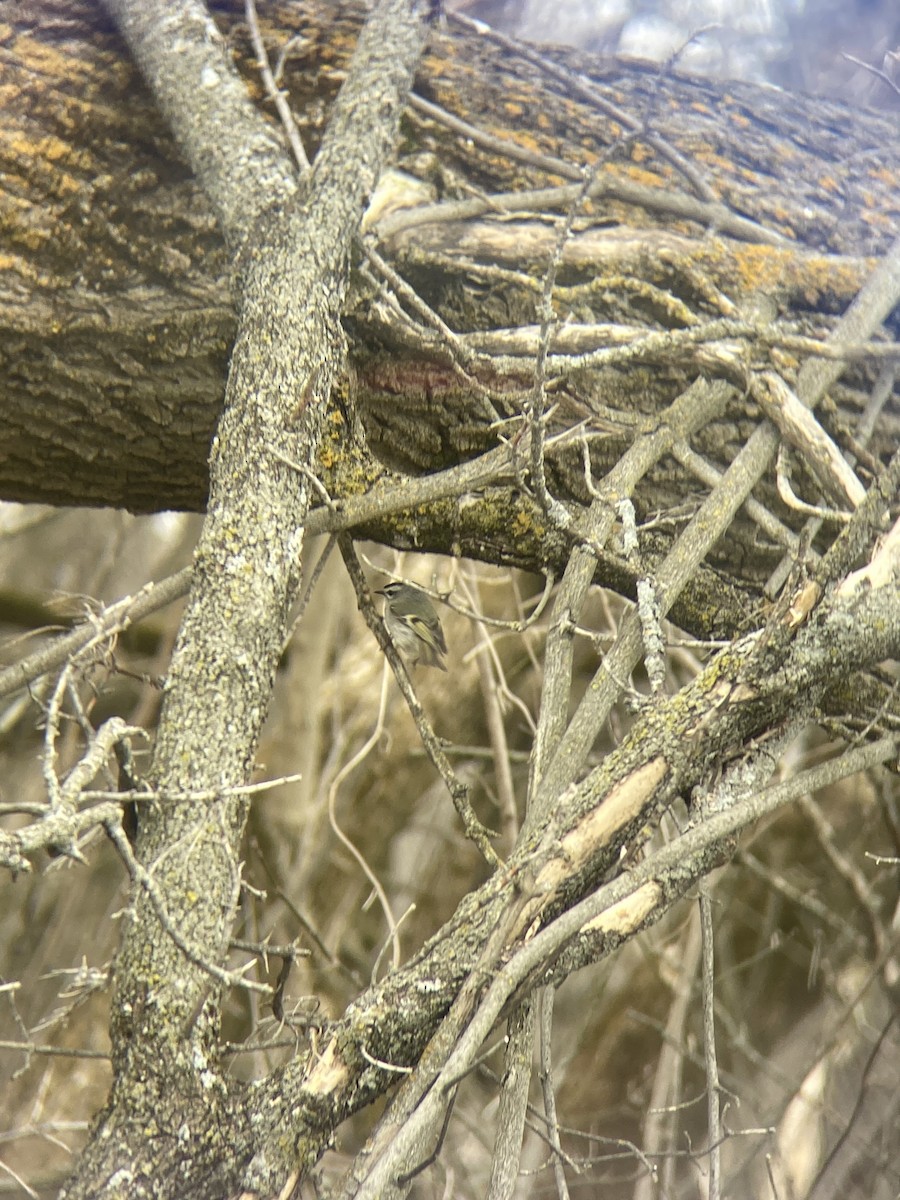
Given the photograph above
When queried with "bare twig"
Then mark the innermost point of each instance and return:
(537, 400)
(854, 879)
(52, 1051)
(112, 621)
(143, 878)
(195, 795)
(315, 576)
(791, 500)
(352, 763)
(548, 1090)
(665, 1096)
(882, 75)
(668, 202)
(513, 1102)
(459, 792)
(276, 95)
(713, 1117)
(506, 797)
(606, 344)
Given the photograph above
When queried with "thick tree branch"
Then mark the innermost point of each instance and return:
(294, 248)
(235, 154)
(132, 347)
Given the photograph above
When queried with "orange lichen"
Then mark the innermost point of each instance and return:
(829, 277)
(436, 66)
(647, 178)
(877, 219)
(523, 525)
(782, 215)
(50, 149)
(42, 58)
(713, 159)
(761, 268)
(784, 150)
(524, 139)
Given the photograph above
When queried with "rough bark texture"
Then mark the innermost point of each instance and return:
(163, 1132)
(118, 316)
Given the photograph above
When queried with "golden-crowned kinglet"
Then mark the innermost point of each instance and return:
(414, 626)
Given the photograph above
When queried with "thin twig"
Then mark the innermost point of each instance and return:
(665, 1096)
(537, 400)
(666, 202)
(52, 1051)
(548, 1091)
(459, 791)
(274, 92)
(713, 1116)
(142, 877)
(360, 756)
(490, 141)
(506, 794)
(196, 795)
(315, 576)
(859, 886)
(882, 75)
(107, 624)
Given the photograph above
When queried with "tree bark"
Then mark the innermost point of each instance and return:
(170, 1127)
(733, 203)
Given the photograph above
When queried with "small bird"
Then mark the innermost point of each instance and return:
(414, 626)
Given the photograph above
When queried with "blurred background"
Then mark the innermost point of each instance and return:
(802, 45)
